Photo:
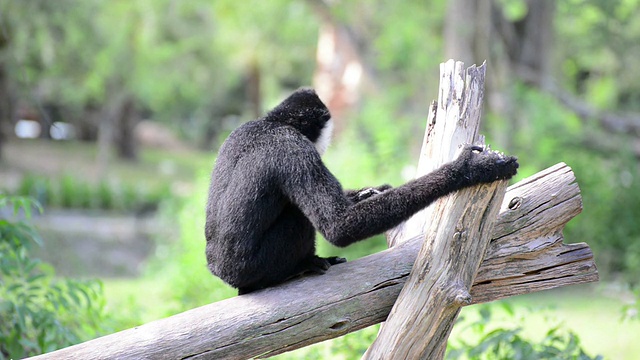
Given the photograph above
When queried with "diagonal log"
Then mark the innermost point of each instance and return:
(457, 229)
(525, 255)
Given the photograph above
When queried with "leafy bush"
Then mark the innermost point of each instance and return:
(509, 343)
(39, 313)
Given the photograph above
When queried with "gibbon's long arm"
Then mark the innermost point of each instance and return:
(343, 221)
(317, 193)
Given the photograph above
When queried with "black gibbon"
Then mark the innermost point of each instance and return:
(270, 192)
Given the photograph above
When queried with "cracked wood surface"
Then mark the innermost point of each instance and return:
(525, 255)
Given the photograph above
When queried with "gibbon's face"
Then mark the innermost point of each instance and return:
(323, 141)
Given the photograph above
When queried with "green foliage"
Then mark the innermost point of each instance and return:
(509, 343)
(177, 60)
(39, 313)
(596, 66)
(70, 192)
(545, 133)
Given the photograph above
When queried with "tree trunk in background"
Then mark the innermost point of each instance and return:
(528, 41)
(478, 30)
(526, 44)
(87, 123)
(125, 122)
(108, 118)
(49, 114)
(6, 108)
(459, 31)
(105, 136)
(340, 69)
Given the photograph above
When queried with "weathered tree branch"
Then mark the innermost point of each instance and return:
(457, 230)
(525, 255)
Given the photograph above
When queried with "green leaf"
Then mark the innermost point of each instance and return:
(36, 277)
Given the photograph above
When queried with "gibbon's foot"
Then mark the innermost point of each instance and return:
(333, 260)
(317, 265)
(480, 164)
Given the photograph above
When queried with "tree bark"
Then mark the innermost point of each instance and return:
(525, 254)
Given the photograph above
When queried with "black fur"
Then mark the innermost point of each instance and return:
(270, 192)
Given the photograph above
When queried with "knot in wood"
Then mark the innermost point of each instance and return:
(463, 298)
(515, 203)
(340, 324)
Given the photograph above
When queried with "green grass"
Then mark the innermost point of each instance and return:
(594, 314)
(135, 301)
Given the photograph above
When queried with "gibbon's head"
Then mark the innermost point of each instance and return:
(304, 111)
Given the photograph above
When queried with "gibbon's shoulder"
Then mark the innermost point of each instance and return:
(266, 133)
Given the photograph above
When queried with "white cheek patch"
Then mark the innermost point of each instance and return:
(325, 137)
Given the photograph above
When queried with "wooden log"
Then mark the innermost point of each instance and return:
(360, 293)
(458, 229)
(528, 235)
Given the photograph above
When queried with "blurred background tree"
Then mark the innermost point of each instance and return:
(150, 88)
